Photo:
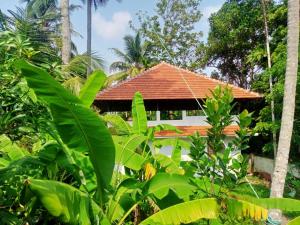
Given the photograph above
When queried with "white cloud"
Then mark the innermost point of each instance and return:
(111, 29)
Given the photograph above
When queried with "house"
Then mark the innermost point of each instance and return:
(171, 95)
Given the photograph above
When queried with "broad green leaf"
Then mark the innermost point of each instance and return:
(246, 209)
(168, 127)
(10, 150)
(3, 163)
(285, 204)
(295, 221)
(186, 212)
(126, 151)
(64, 201)
(80, 128)
(91, 87)
(168, 164)
(162, 183)
(117, 122)
(176, 154)
(124, 198)
(139, 116)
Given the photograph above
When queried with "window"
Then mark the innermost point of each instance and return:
(195, 113)
(171, 115)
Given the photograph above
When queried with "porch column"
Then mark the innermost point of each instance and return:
(183, 114)
(157, 115)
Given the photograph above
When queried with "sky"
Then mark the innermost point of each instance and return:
(111, 23)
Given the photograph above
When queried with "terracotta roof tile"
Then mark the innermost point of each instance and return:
(190, 130)
(165, 81)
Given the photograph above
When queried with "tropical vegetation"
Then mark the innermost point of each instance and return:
(61, 162)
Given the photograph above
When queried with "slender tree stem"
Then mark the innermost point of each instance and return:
(128, 212)
(287, 119)
(66, 31)
(270, 76)
(89, 35)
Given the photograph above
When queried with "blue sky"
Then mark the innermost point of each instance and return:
(110, 23)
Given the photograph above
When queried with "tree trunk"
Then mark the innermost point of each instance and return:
(89, 34)
(66, 32)
(270, 77)
(281, 163)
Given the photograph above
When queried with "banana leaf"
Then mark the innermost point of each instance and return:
(91, 87)
(139, 116)
(186, 212)
(80, 128)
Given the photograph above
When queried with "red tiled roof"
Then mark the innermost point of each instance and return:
(165, 81)
(190, 130)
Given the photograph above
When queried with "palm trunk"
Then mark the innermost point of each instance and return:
(287, 120)
(66, 31)
(274, 138)
(89, 34)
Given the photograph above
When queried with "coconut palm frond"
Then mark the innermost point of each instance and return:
(79, 64)
(119, 66)
(115, 78)
(134, 59)
(74, 84)
(123, 56)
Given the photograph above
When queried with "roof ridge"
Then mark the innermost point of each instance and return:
(130, 79)
(212, 79)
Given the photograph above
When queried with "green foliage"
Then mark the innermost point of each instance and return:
(168, 164)
(120, 126)
(171, 33)
(91, 87)
(294, 221)
(265, 126)
(285, 204)
(240, 208)
(162, 183)
(133, 61)
(139, 116)
(9, 151)
(239, 53)
(126, 151)
(70, 118)
(218, 109)
(64, 201)
(221, 163)
(186, 212)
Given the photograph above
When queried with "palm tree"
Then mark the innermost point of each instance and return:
(38, 8)
(66, 31)
(287, 119)
(134, 59)
(96, 3)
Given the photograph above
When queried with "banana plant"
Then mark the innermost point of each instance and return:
(211, 208)
(124, 132)
(9, 151)
(86, 140)
(81, 130)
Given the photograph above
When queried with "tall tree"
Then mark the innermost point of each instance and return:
(66, 31)
(287, 121)
(89, 3)
(171, 32)
(38, 8)
(235, 31)
(134, 58)
(266, 28)
(132, 61)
